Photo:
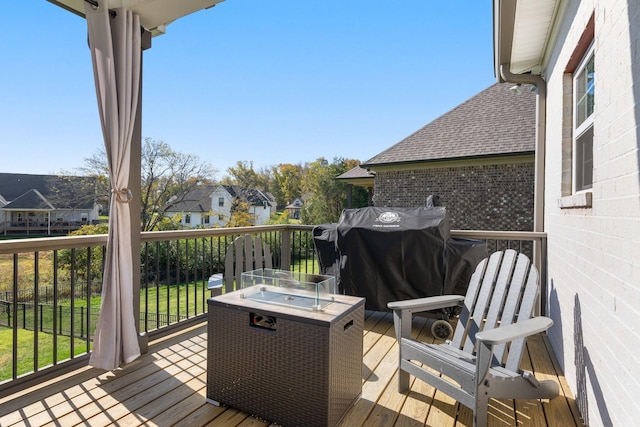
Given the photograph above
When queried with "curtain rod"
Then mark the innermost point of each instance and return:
(95, 4)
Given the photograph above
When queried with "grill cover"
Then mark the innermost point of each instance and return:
(390, 254)
(324, 240)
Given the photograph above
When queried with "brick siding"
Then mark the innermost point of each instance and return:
(594, 252)
(482, 197)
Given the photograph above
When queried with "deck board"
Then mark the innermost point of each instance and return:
(167, 387)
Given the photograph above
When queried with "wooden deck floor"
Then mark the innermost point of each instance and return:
(167, 387)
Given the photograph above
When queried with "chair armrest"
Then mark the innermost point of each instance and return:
(514, 331)
(427, 304)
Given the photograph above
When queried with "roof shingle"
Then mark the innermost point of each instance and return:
(493, 122)
(47, 191)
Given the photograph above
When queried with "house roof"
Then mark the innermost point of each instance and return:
(26, 191)
(197, 200)
(495, 122)
(358, 176)
(31, 200)
(356, 173)
(296, 204)
(13, 185)
(250, 195)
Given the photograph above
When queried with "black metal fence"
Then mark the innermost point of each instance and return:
(63, 314)
(53, 285)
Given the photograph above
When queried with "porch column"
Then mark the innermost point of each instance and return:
(285, 250)
(135, 210)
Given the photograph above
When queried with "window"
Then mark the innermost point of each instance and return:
(187, 219)
(578, 117)
(205, 219)
(220, 217)
(583, 108)
(220, 201)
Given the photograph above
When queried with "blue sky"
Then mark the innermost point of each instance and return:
(278, 81)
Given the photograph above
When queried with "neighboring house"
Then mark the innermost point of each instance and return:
(359, 177)
(46, 204)
(196, 207)
(477, 159)
(211, 205)
(294, 208)
(261, 204)
(584, 57)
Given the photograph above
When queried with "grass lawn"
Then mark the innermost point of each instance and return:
(172, 301)
(306, 266)
(26, 353)
(165, 304)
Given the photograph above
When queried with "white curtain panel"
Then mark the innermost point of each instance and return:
(116, 55)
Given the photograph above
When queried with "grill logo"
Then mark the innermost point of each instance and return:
(389, 217)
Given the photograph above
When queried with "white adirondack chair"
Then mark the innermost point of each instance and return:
(477, 364)
(245, 254)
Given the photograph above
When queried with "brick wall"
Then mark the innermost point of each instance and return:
(594, 252)
(482, 197)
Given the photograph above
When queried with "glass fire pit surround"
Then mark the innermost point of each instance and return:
(312, 292)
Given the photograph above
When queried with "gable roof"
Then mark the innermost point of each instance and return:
(13, 185)
(356, 173)
(197, 200)
(493, 122)
(296, 204)
(26, 191)
(250, 195)
(358, 176)
(31, 200)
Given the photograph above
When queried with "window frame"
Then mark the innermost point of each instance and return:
(582, 129)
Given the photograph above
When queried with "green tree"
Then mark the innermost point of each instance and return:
(244, 175)
(328, 196)
(169, 223)
(76, 261)
(287, 182)
(240, 216)
(281, 218)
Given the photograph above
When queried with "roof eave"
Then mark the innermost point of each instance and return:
(522, 32)
(154, 15)
(504, 12)
(360, 182)
(449, 159)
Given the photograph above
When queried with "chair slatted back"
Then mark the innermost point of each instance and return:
(245, 253)
(503, 290)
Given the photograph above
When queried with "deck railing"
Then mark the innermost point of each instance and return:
(50, 287)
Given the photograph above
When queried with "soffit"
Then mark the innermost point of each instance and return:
(155, 15)
(522, 32)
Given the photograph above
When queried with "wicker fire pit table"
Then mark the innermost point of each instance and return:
(286, 351)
